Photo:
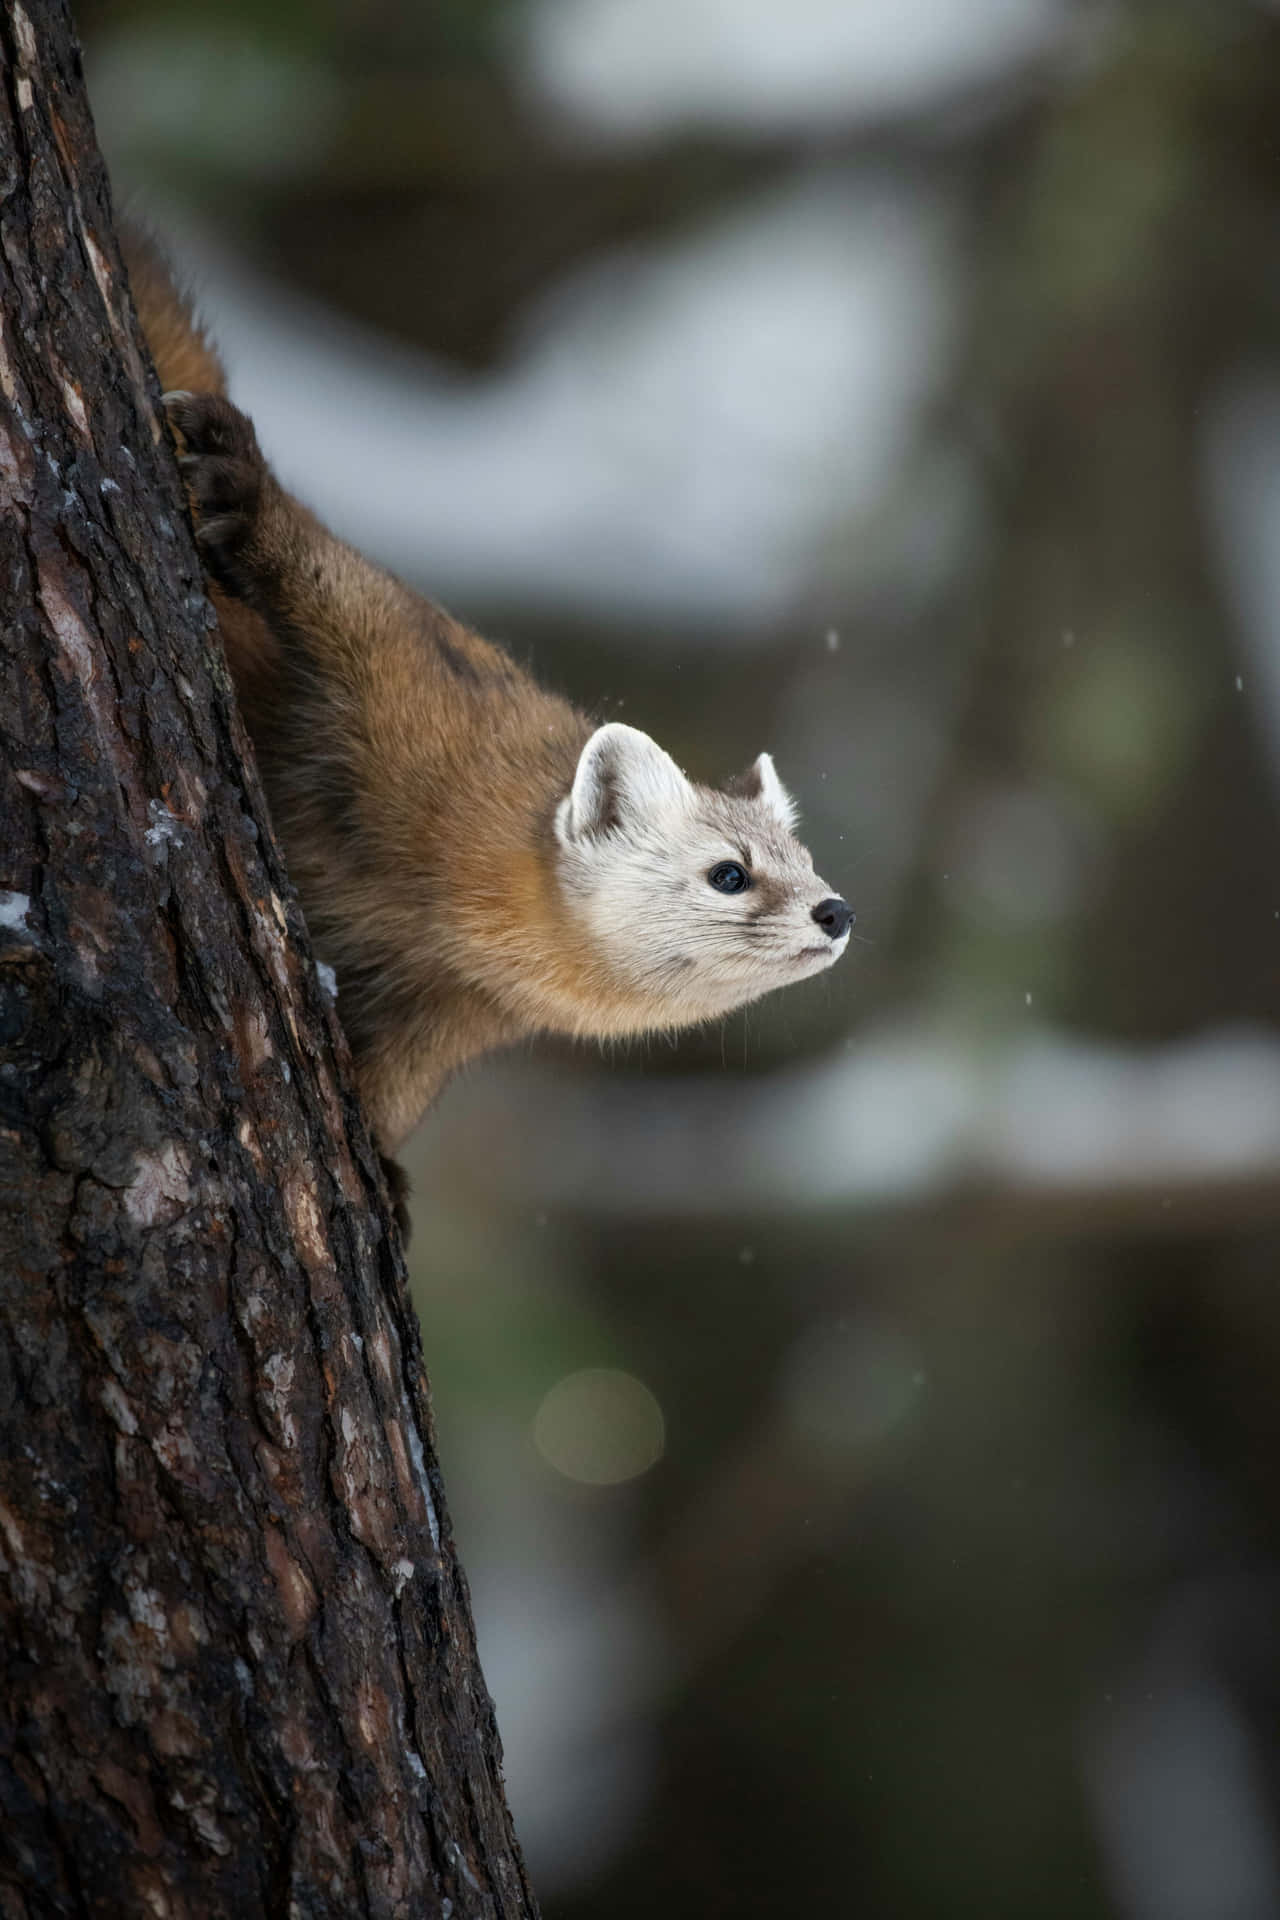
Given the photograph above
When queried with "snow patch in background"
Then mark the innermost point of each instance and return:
(678, 433)
(903, 1114)
(625, 71)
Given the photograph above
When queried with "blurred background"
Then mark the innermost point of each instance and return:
(861, 1421)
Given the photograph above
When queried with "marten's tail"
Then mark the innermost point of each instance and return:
(179, 346)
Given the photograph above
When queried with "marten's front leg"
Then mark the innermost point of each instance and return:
(265, 548)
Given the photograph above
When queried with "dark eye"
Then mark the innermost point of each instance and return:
(729, 877)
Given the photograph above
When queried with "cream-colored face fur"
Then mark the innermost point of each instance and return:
(638, 843)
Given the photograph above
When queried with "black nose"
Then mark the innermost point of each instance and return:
(834, 916)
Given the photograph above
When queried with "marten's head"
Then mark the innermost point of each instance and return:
(696, 900)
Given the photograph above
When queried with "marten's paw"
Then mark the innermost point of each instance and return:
(225, 474)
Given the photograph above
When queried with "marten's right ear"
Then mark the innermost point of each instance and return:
(622, 776)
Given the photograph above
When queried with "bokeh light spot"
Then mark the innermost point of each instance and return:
(599, 1426)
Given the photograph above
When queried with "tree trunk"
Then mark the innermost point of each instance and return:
(237, 1664)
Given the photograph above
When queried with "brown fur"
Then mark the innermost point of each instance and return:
(179, 346)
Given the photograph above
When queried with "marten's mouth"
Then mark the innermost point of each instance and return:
(819, 953)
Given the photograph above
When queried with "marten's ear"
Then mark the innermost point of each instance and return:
(761, 782)
(622, 775)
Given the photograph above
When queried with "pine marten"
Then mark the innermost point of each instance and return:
(477, 860)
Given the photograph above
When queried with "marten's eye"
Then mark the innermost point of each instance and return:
(729, 877)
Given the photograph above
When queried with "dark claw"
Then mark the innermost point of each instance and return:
(224, 532)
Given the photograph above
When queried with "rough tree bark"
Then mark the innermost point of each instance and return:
(237, 1664)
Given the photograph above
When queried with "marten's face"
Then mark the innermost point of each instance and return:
(696, 901)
